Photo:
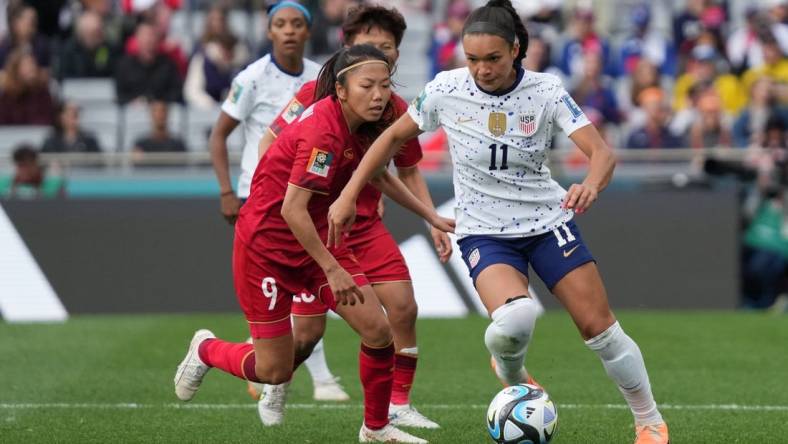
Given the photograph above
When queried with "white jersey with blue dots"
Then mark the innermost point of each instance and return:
(499, 145)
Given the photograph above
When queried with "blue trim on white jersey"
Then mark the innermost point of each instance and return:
(284, 71)
(520, 73)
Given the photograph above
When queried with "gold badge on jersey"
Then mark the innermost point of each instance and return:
(497, 124)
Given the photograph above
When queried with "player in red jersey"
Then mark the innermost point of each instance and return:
(376, 249)
(301, 175)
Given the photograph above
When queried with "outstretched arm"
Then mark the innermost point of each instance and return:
(398, 192)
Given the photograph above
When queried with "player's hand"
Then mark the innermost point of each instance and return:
(341, 215)
(442, 223)
(230, 206)
(442, 243)
(343, 286)
(381, 208)
(580, 197)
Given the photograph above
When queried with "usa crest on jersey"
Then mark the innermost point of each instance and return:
(528, 124)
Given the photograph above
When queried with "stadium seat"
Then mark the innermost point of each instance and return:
(88, 91)
(12, 136)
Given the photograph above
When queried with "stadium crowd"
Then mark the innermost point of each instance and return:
(669, 75)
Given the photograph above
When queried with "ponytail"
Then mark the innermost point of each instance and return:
(498, 17)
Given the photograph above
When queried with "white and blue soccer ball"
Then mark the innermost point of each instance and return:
(522, 414)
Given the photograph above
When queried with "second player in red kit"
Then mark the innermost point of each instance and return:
(281, 235)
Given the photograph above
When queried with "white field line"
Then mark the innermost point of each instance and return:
(245, 406)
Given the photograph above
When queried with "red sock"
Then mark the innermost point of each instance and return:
(234, 358)
(376, 368)
(404, 372)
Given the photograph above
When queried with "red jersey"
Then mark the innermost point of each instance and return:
(317, 153)
(408, 156)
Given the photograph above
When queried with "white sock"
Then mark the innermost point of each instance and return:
(624, 364)
(507, 338)
(317, 365)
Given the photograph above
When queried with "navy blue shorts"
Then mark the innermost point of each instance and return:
(552, 255)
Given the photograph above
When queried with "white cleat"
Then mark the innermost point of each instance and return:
(386, 434)
(407, 416)
(191, 370)
(330, 391)
(271, 406)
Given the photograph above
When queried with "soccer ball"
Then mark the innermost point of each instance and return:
(522, 414)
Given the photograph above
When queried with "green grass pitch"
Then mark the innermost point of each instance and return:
(721, 378)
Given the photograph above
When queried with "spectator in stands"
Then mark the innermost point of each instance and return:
(148, 74)
(30, 179)
(594, 89)
(538, 57)
(743, 47)
(584, 40)
(67, 136)
(49, 16)
(325, 33)
(446, 52)
(23, 33)
(159, 140)
(217, 58)
(655, 132)
(87, 53)
(691, 23)
(775, 66)
(704, 68)
(646, 43)
(710, 129)
(645, 75)
(778, 19)
(765, 252)
(24, 96)
(159, 14)
(749, 128)
(139, 6)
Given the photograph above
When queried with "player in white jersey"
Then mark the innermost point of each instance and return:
(499, 120)
(257, 95)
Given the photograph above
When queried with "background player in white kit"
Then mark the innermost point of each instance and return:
(257, 95)
(500, 120)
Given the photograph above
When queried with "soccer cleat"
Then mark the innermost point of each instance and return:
(191, 370)
(529, 380)
(386, 434)
(330, 391)
(652, 434)
(407, 416)
(271, 406)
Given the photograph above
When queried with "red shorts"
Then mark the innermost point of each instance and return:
(380, 260)
(266, 289)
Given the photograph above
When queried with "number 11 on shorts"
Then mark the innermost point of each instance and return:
(269, 291)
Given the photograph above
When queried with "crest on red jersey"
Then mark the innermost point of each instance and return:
(319, 162)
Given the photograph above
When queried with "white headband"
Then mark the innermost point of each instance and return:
(356, 65)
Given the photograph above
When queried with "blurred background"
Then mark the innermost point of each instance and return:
(108, 202)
